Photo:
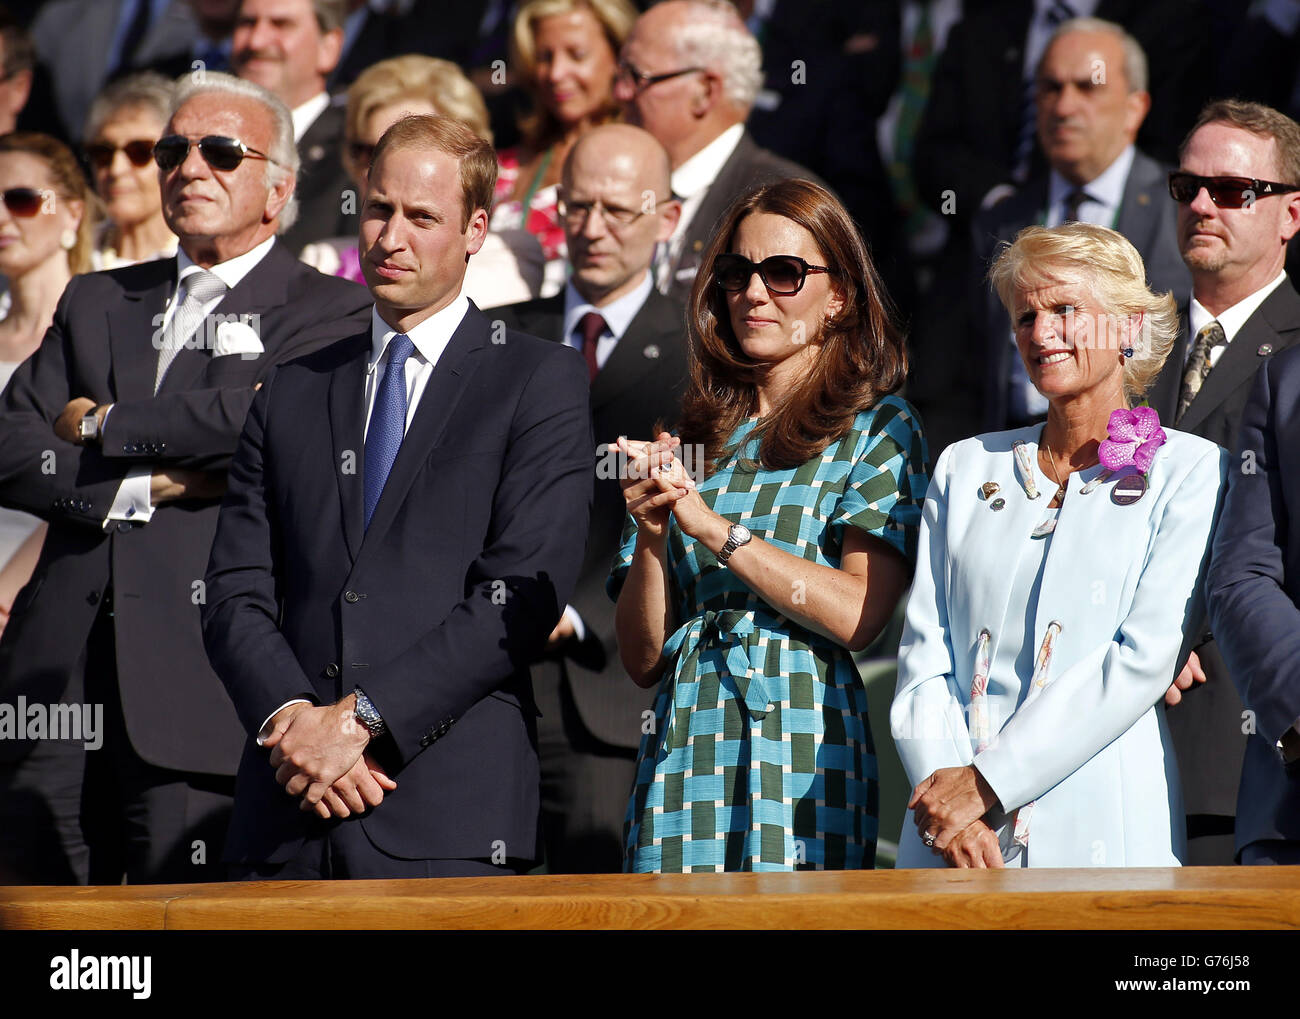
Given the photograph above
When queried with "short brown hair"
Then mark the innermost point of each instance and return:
(1257, 119)
(862, 358)
(478, 162)
(69, 183)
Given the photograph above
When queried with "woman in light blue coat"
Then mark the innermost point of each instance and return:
(1058, 568)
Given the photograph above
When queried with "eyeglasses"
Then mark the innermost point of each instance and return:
(139, 151)
(575, 214)
(220, 152)
(783, 275)
(25, 202)
(1225, 192)
(642, 81)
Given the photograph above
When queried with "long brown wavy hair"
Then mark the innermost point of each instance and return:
(862, 356)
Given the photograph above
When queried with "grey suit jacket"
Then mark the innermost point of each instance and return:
(1207, 725)
(640, 384)
(747, 168)
(1146, 217)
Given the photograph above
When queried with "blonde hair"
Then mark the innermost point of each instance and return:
(439, 82)
(615, 17)
(1111, 268)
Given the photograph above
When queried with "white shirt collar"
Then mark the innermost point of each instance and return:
(1105, 192)
(430, 337)
(305, 115)
(698, 172)
(1231, 319)
(617, 314)
(232, 271)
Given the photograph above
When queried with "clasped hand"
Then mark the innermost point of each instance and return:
(319, 754)
(656, 485)
(946, 805)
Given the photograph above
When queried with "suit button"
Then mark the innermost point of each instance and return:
(124, 525)
(351, 597)
(93, 598)
(128, 447)
(425, 740)
(161, 446)
(331, 671)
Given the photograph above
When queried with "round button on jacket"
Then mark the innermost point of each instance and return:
(351, 597)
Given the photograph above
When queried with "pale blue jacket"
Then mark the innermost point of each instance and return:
(1092, 749)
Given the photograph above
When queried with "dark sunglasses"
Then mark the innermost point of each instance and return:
(220, 152)
(24, 202)
(1225, 192)
(783, 275)
(102, 154)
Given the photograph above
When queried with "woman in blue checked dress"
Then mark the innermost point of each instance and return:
(780, 543)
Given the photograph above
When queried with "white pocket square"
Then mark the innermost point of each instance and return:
(237, 338)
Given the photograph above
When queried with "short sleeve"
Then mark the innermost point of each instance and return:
(622, 559)
(887, 481)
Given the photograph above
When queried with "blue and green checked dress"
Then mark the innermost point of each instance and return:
(760, 755)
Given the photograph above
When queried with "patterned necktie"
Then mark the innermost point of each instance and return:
(387, 421)
(1198, 365)
(914, 93)
(592, 326)
(1058, 13)
(200, 288)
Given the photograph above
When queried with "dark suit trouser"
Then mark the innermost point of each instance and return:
(344, 851)
(71, 815)
(586, 783)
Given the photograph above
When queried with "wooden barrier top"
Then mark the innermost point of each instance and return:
(1224, 898)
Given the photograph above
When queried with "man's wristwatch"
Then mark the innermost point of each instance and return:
(89, 430)
(366, 713)
(737, 535)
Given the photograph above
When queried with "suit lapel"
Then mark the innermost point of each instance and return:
(1163, 394)
(635, 354)
(347, 408)
(445, 387)
(264, 288)
(1260, 337)
(132, 326)
(1135, 220)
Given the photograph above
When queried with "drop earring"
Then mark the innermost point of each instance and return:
(68, 239)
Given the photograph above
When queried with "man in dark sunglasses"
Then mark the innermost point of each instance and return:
(119, 431)
(1237, 203)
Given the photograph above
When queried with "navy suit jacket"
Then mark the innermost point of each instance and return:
(434, 611)
(1254, 596)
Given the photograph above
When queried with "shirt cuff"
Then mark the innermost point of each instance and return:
(132, 500)
(263, 732)
(579, 629)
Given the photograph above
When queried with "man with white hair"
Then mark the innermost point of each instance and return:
(119, 431)
(688, 74)
(1091, 98)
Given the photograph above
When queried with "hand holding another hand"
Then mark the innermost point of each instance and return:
(949, 801)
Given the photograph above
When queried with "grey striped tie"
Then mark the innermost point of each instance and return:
(200, 288)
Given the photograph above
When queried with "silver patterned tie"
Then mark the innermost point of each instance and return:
(1198, 364)
(200, 288)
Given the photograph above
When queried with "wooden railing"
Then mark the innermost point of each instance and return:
(1233, 898)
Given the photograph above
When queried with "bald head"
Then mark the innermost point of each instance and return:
(618, 206)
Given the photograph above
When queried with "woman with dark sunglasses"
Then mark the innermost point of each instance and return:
(46, 225)
(779, 544)
(125, 122)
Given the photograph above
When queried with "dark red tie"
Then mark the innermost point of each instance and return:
(592, 327)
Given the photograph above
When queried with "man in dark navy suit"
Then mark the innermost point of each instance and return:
(616, 208)
(405, 522)
(1239, 190)
(118, 431)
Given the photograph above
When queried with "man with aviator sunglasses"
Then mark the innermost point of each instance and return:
(1237, 207)
(119, 431)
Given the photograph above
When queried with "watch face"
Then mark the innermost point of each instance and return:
(89, 426)
(739, 533)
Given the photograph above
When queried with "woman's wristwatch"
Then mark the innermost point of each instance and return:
(737, 535)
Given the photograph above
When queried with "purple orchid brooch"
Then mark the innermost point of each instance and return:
(1133, 436)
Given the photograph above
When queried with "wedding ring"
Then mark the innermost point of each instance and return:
(929, 841)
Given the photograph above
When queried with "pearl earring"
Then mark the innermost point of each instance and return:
(68, 239)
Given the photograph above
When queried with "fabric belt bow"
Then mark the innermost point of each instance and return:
(731, 629)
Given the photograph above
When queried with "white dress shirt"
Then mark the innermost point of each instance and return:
(1231, 320)
(132, 501)
(1105, 193)
(305, 115)
(690, 183)
(617, 314)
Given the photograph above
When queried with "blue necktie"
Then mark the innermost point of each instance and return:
(387, 421)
